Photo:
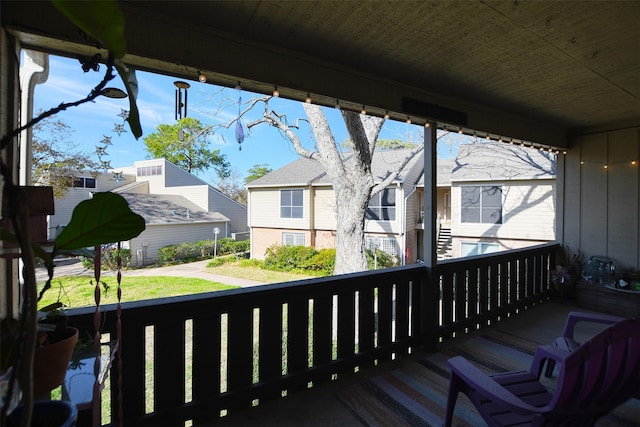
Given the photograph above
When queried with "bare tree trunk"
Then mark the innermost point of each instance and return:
(349, 173)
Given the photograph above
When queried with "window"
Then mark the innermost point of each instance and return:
(478, 248)
(382, 206)
(82, 182)
(149, 170)
(293, 239)
(386, 244)
(291, 204)
(481, 204)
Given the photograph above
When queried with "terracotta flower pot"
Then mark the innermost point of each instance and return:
(51, 362)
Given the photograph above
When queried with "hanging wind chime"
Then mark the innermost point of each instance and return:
(239, 129)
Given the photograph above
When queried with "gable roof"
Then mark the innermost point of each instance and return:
(303, 172)
(443, 173)
(169, 209)
(497, 161)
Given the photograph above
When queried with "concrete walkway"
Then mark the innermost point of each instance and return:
(73, 267)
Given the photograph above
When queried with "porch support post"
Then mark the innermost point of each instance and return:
(430, 289)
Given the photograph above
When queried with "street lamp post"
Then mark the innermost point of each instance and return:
(216, 231)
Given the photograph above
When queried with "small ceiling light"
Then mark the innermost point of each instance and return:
(363, 111)
(408, 120)
(488, 137)
(460, 131)
(201, 77)
(276, 92)
(550, 150)
(308, 99)
(633, 162)
(564, 152)
(113, 92)
(386, 115)
(427, 125)
(606, 166)
(582, 162)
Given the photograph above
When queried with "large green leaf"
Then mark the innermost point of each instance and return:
(103, 20)
(105, 218)
(128, 76)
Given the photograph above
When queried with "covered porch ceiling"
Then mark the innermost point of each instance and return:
(534, 70)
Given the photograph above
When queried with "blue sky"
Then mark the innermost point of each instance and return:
(212, 105)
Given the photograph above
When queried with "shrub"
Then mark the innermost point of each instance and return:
(288, 258)
(202, 249)
(380, 259)
(300, 258)
(109, 258)
(322, 262)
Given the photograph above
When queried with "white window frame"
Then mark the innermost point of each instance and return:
(377, 208)
(84, 179)
(482, 210)
(149, 170)
(385, 244)
(481, 248)
(295, 211)
(293, 239)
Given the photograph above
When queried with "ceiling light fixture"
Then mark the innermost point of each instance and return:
(386, 115)
(363, 111)
(201, 77)
(308, 99)
(276, 92)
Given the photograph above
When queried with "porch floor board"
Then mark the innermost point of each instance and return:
(321, 407)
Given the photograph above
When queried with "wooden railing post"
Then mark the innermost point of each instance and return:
(429, 309)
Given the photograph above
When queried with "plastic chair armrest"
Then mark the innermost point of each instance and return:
(485, 385)
(575, 317)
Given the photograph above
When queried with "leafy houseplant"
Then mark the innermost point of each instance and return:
(105, 218)
(567, 270)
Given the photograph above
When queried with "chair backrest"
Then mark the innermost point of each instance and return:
(601, 374)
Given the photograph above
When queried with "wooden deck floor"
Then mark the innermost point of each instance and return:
(321, 407)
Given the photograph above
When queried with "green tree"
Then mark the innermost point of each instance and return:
(185, 144)
(56, 161)
(257, 171)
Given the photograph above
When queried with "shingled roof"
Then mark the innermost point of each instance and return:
(169, 209)
(302, 172)
(500, 161)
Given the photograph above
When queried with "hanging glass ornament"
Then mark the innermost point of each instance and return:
(239, 128)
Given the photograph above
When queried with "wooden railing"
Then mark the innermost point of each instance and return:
(197, 357)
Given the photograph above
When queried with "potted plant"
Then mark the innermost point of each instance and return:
(567, 270)
(95, 223)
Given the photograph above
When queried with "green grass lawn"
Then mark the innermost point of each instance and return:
(234, 269)
(78, 291)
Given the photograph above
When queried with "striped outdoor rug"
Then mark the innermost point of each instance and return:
(416, 394)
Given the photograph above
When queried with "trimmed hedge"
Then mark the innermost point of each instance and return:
(300, 258)
(109, 258)
(188, 251)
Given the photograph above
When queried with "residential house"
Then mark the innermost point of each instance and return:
(497, 196)
(177, 206)
(295, 205)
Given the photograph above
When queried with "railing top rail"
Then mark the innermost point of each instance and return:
(290, 289)
(511, 253)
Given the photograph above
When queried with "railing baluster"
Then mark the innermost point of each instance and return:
(270, 346)
(169, 363)
(402, 320)
(385, 313)
(366, 320)
(240, 351)
(206, 357)
(346, 324)
(298, 341)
